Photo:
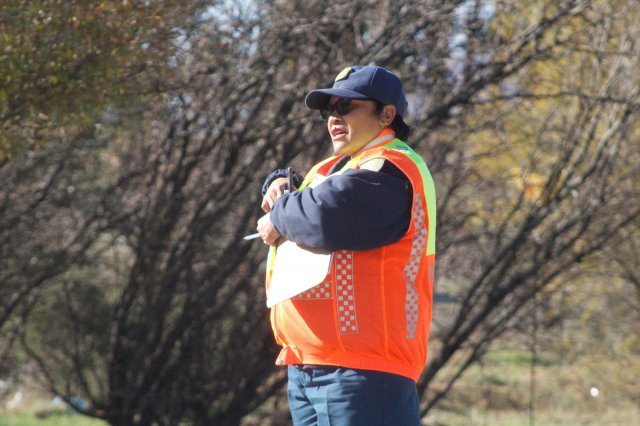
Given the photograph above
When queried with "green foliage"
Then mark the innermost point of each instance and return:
(60, 60)
(47, 418)
(517, 358)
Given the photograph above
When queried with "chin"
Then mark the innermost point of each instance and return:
(339, 147)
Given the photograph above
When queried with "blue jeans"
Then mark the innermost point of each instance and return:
(335, 396)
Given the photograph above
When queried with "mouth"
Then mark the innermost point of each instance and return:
(338, 131)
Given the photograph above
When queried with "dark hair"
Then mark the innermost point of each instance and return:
(398, 125)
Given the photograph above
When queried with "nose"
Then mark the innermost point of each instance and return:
(334, 117)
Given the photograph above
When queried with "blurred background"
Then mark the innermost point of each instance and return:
(135, 137)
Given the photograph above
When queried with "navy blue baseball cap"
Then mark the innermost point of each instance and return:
(363, 82)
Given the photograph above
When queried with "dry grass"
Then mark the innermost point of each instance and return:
(500, 392)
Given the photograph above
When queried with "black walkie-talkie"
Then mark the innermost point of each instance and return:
(290, 185)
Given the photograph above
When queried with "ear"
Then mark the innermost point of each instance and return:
(387, 115)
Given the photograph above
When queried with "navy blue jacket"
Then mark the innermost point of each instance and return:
(357, 210)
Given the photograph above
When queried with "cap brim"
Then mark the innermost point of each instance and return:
(316, 99)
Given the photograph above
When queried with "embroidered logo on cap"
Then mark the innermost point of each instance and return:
(344, 74)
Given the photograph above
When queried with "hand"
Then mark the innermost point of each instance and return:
(268, 232)
(275, 191)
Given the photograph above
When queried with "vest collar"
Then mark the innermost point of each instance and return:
(386, 135)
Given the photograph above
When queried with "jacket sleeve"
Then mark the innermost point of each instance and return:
(356, 210)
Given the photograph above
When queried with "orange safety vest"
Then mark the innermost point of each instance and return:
(373, 309)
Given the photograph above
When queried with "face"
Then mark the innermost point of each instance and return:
(352, 131)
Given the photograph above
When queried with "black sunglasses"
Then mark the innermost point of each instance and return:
(342, 107)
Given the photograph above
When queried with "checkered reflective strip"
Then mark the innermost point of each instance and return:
(320, 292)
(345, 292)
(418, 248)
